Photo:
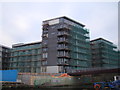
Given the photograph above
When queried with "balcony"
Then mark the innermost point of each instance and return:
(87, 36)
(63, 56)
(63, 48)
(64, 27)
(44, 46)
(62, 34)
(63, 64)
(62, 41)
(87, 30)
(43, 59)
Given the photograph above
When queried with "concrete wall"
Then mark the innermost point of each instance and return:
(57, 81)
(50, 80)
(54, 79)
(25, 79)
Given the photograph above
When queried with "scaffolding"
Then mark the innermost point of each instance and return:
(26, 58)
(104, 54)
(80, 48)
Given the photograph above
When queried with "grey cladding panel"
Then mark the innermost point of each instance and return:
(52, 47)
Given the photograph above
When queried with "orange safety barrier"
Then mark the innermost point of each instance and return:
(62, 75)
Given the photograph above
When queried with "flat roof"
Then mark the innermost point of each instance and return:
(67, 19)
(22, 44)
(3, 46)
(101, 39)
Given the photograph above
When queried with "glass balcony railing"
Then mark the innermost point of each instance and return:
(63, 63)
(64, 27)
(63, 48)
(63, 34)
(65, 56)
(87, 30)
(63, 41)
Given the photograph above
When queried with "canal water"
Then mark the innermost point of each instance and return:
(47, 88)
(51, 88)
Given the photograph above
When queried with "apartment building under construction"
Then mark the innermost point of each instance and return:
(65, 45)
(26, 57)
(4, 57)
(104, 54)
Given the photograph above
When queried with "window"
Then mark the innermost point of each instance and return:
(45, 49)
(45, 55)
(45, 41)
(45, 31)
(62, 46)
(45, 35)
(53, 33)
(38, 64)
(44, 62)
(43, 69)
(63, 53)
(60, 68)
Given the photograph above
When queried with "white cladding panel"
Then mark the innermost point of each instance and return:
(55, 21)
(52, 69)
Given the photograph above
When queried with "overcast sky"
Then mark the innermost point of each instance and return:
(22, 22)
